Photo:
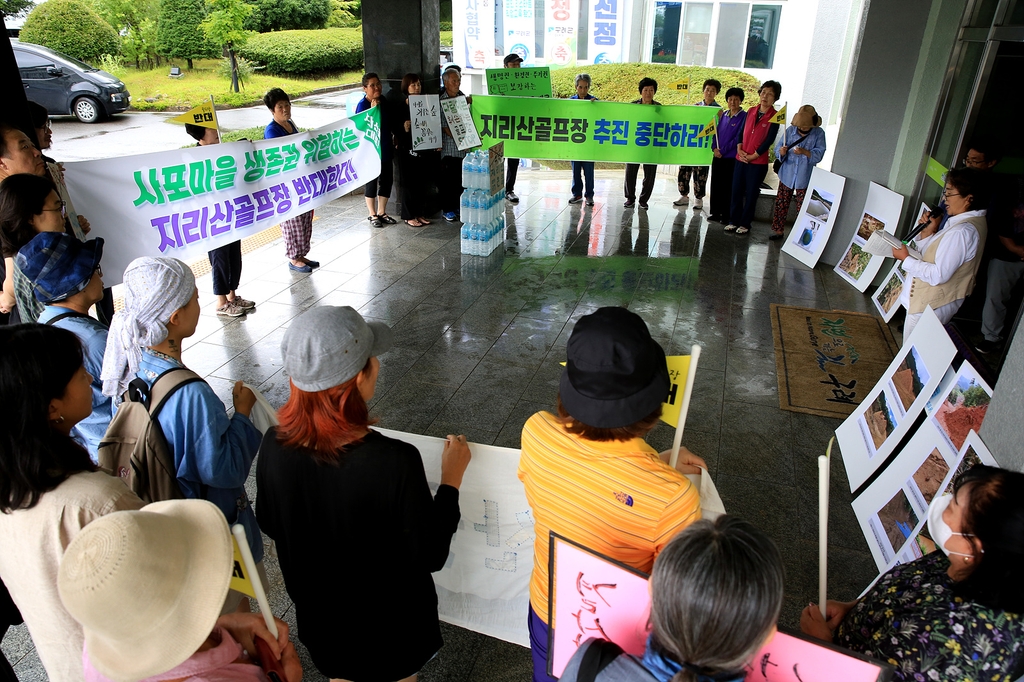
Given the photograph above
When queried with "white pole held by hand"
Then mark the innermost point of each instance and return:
(684, 404)
(238, 530)
(824, 467)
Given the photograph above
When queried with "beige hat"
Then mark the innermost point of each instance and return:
(806, 117)
(148, 585)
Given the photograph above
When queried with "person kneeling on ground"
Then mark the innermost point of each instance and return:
(716, 594)
(147, 587)
(588, 474)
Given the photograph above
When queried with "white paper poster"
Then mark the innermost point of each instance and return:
(882, 210)
(871, 433)
(561, 21)
(460, 122)
(425, 118)
(604, 41)
(473, 33)
(887, 298)
(520, 26)
(817, 215)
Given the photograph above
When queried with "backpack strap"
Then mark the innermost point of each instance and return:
(165, 385)
(58, 318)
(599, 656)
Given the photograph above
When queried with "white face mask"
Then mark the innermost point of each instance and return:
(939, 529)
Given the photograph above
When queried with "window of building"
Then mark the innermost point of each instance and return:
(696, 33)
(731, 38)
(761, 36)
(665, 44)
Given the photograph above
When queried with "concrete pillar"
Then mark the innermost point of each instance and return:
(901, 61)
(403, 36)
(15, 110)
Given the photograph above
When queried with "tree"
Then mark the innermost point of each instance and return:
(71, 27)
(135, 21)
(288, 15)
(224, 24)
(178, 33)
(12, 8)
(345, 14)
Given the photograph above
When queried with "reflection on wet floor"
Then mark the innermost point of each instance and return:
(479, 342)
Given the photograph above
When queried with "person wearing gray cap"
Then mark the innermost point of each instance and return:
(357, 531)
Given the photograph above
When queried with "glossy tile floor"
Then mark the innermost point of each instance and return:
(479, 342)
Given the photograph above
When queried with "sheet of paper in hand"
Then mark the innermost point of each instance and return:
(460, 122)
(797, 658)
(425, 115)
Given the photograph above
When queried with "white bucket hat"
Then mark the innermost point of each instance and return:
(148, 585)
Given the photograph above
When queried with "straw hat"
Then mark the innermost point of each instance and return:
(148, 585)
(806, 117)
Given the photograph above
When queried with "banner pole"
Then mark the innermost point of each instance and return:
(238, 530)
(824, 472)
(684, 404)
(216, 121)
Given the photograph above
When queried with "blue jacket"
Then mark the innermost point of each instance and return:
(209, 449)
(796, 168)
(275, 129)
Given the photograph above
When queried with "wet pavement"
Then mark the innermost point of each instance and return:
(479, 341)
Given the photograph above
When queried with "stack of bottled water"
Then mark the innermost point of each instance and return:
(483, 214)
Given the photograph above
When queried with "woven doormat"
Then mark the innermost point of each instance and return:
(828, 360)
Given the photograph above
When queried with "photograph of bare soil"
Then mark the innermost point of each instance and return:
(898, 519)
(869, 224)
(910, 378)
(929, 475)
(888, 295)
(962, 410)
(880, 419)
(855, 262)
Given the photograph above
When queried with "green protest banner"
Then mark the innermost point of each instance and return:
(936, 171)
(579, 130)
(527, 81)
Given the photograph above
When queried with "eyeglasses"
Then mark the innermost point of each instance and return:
(947, 194)
(63, 209)
(99, 270)
(973, 163)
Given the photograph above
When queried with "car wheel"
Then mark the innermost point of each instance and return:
(87, 110)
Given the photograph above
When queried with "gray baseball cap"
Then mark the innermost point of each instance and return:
(326, 346)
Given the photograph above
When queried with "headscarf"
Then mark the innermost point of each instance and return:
(154, 289)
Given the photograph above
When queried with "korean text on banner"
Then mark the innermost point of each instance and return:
(203, 115)
(561, 19)
(593, 131)
(604, 41)
(425, 112)
(184, 203)
(460, 122)
(522, 82)
(473, 33)
(519, 29)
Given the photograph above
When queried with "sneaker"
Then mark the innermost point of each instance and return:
(730, 228)
(511, 198)
(311, 263)
(698, 204)
(230, 309)
(305, 269)
(451, 216)
(243, 303)
(576, 200)
(643, 206)
(742, 230)
(682, 201)
(628, 204)
(985, 347)
(776, 236)
(590, 202)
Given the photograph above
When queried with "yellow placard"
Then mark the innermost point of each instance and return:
(204, 115)
(240, 581)
(678, 370)
(682, 86)
(710, 128)
(780, 117)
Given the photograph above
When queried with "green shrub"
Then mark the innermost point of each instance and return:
(299, 52)
(446, 26)
(178, 33)
(113, 65)
(618, 82)
(70, 27)
(288, 15)
(245, 69)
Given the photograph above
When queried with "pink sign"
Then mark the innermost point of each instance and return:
(593, 596)
(787, 658)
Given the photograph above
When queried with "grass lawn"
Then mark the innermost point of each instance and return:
(181, 94)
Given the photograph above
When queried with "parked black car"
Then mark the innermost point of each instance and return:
(65, 85)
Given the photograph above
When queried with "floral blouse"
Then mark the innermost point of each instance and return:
(911, 619)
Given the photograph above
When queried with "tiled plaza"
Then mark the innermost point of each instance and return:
(479, 341)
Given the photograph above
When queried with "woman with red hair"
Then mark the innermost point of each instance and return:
(358, 533)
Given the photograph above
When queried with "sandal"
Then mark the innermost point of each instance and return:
(742, 230)
(384, 217)
(375, 220)
(413, 223)
(423, 221)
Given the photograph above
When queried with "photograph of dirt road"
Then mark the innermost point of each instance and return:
(963, 409)
(880, 420)
(929, 476)
(910, 378)
(898, 519)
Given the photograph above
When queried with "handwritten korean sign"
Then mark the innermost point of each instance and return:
(460, 122)
(425, 113)
(521, 82)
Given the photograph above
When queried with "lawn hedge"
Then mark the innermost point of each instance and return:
(301, 52)
(71, 27)
(618, 82)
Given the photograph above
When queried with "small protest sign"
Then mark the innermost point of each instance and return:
(425, 113)
(522, 82)
(682, 86)
(460, 122)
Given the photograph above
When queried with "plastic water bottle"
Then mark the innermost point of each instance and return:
(481, 171)
(464, 205)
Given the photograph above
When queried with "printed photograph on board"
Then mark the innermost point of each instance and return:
(855, 261)
(888, 295)
(963, 408)
(898, 520)
(806, 236)
(880, 420)
(929, 476)
(910, 378)
(869, 224)
(819, 205)
(971, 458)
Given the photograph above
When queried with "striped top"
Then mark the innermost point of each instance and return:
(616, 498)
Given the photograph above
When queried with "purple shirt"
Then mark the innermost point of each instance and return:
(730, 131)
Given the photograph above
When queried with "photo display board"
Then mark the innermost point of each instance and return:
(882, 210)
(813, 224)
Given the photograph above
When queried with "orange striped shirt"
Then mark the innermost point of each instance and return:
(617, 498)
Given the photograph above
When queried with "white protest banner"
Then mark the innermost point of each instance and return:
(187, 202)
(519, 29)
(561, 19)
(426, 121)
(460, 122)
(485, 585)
(604, 42)
(473, 33)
